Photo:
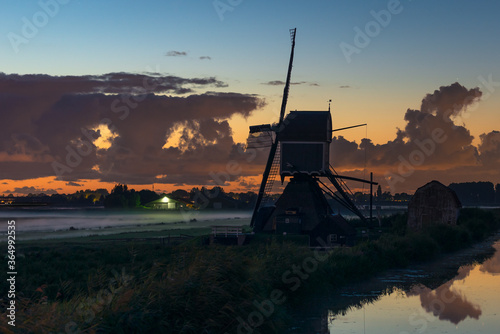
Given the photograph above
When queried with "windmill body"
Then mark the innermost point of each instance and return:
(300, 152)
(304, 142)
(304, 145)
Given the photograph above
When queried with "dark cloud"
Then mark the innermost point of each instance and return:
(176, 54)
(54, 121)
(47, 88)
(274, 83)
(489, 148)
(282, 83)
(32, 190)
(345, 86)
(74, 184)
(205, 57)
(431, 146)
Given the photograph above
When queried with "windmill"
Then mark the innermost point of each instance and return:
(299, 150)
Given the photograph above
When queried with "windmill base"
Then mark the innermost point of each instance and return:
(303, 209)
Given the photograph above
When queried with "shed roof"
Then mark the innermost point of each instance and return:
(434, 186)
(307, 126)
(165, 199)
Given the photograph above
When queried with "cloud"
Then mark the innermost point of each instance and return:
(431, 146)
(489, 148)
(74, 184)
(205, 57)
(176, 54)
(54, 123)
(32, 190)
(282, 83)
(345, 86)
(274, 83)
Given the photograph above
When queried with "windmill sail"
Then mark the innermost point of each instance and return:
(274, 146)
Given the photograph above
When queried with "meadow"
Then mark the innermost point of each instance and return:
(134, 284)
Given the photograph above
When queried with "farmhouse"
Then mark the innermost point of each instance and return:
(169, 203)
(433, 203)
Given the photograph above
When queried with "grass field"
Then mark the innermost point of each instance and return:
(131, 283)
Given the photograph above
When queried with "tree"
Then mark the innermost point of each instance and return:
(474, 192)
(180, 193)
(147, 196)
(121, 197)
(379, 192)
(497, 193)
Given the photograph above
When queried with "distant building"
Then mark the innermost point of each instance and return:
(433, 203)
(169, 203)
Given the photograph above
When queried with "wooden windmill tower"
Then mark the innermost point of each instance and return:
(300, 146)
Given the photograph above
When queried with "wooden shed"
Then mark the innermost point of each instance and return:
(433, 203)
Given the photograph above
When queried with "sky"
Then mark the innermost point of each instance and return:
(94, 93)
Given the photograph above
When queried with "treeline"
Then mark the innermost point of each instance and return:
(123, 197)
(477, 193)
(80, 198)
(469, 193)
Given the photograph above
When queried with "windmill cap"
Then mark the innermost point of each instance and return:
(307, 126)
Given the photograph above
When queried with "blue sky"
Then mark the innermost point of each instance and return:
(424, 45)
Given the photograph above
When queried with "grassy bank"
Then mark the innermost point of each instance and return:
(144, 287)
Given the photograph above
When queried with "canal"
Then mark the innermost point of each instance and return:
(458, 293)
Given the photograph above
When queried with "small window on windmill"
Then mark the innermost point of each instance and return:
(332, 238)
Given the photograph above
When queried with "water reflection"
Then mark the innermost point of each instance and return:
(492, 265)
(445, 302)
(424, 299)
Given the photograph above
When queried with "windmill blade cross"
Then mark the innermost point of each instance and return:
(288, 76)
